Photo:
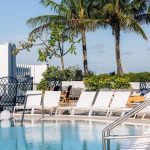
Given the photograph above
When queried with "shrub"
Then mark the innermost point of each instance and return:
(121, 83)
(106, 82)
(91, 83)
(43, 85)
(68, 74)
(137, 77)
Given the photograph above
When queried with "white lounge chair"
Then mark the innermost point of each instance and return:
(119, 102)
(102, 102)
(51, 99)
(146, 110)
(84, 103)
(33, 100)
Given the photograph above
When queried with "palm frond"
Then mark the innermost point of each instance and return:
(73, 8)
(108, 9)
(39, 29)
(41, 20)
(129, 23)
(137, 6)
(143, 18)
(53, 5)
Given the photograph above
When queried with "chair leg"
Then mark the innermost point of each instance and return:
(32, 110)
(134, 116)
(110, 113)
(123, 113)
(14, 111)
(107, 114)
(90, 112)
(73, 111)
(56, 112)
(143, 116)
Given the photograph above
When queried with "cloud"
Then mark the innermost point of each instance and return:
(148, 49)
(100, 51)
(98, 46)
(127, 53)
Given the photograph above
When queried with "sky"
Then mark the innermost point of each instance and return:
(135, 52)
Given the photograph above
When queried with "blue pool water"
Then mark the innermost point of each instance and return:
(62, 135)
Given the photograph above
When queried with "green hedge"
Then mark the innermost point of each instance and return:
(137, 77)
(94, 82)
(106, 82)
(69, 74)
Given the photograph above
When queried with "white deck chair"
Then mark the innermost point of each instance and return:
(102, 102)
(146, 110)
(119, 102)
(84, 103)
(51, 99)
(33, 101)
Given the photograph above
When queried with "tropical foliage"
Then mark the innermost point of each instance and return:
(106, 82)
(51, 42)
(68, 74)
(139, 77)
(75, 14)
(72, 18)
(122, 15)
(58, 38)
(102, 81)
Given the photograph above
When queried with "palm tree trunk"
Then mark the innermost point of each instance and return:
(62, 63)
(117, 50)
(84, 48)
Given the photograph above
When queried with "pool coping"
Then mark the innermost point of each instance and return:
(47, 117)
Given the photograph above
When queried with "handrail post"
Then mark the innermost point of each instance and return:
(22, 119)
(108, 141)
(106, 131)
(24, 110)
(43, 105)
(103, 141)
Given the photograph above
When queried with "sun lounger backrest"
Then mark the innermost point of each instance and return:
(34, 98)
(120, 99)
(103, 98)
(51, 98)
(86, 99)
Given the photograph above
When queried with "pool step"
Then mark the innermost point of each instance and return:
(142, 143)
(138, 146)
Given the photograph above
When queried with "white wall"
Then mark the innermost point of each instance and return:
(75, 84)
(34, 71)
(80, 84)
(7, 60)
(37, 71)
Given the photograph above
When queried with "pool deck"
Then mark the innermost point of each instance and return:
(47, 117)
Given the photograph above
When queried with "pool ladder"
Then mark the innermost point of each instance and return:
(106, 136)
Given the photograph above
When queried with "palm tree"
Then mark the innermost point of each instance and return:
(121, 15)
(73, 13)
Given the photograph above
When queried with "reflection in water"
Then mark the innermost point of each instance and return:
(61, 135)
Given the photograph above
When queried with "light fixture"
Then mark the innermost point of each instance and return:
(5, 115)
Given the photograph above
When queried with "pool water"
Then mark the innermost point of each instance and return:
(63, 135)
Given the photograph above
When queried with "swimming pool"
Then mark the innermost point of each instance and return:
(63, 135)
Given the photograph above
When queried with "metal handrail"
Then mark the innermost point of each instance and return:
(106, 132)
(22, 119)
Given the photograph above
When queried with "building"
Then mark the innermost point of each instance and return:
(7, 60)
(8, 66)
(35, 71)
